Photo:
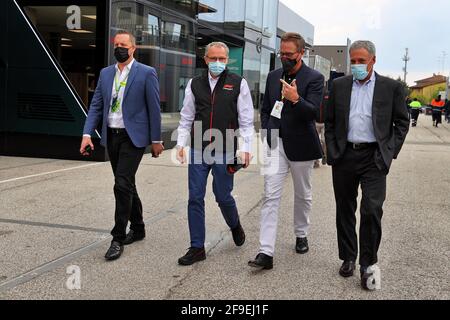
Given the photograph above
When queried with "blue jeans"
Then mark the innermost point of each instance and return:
(222, 188)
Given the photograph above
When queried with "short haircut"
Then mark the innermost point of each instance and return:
(132, 37)
(295, 38)
(364, 44)
(217, 44)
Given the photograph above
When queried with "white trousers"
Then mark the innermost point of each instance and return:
(277, 169)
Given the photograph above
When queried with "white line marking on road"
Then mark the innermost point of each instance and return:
(51, 172)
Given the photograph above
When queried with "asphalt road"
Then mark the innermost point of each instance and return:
(57, 214)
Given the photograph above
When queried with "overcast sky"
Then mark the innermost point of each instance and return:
(393, 25)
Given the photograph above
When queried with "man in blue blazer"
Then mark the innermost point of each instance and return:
(293, 96)
(127, 104)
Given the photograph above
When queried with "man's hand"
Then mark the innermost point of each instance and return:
(246, 157)
(181, 155)
(290, 91)
(157, 150)
(87, 141)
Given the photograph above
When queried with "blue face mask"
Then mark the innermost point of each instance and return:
(216, 68)
(359, 71)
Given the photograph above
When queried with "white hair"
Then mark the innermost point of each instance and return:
(364, 44)
(217, 44)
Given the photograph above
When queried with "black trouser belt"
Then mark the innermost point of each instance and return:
(116, 130)
(360, 146)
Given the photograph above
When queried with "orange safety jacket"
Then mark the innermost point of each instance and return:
(437, 104)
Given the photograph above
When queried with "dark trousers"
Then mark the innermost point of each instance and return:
(125, 159)
(415, 116)
(222, 187)
(437, 117)
(357, 168)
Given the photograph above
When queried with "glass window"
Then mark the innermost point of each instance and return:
(185, 7)
(211, 10)
(254, 14)
(270, 23)
(71, 36)
(235, 11)
(178, 65)
(252, 66)
(152, 25)
(143, 22)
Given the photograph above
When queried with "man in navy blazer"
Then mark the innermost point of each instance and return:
(126, 103)
(293, 96)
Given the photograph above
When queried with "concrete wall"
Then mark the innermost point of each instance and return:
(289, 21)
(338, 55)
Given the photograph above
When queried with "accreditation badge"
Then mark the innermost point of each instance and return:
(277, 109)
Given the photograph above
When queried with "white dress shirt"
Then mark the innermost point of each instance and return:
(115, 119)
(245, 115)
(360, 129)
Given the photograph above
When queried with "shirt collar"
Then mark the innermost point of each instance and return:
(210, 77)
(128, 66)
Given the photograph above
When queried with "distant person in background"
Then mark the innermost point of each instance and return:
(415, 111)
(447, 110)
(437, 106)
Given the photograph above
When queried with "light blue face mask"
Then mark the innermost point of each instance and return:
(216, 68)
(359, 71)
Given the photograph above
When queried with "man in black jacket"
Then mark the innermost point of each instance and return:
(293, 95)
(366, 125)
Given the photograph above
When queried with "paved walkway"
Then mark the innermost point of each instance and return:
(55, 214)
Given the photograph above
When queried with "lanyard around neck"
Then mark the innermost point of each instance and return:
(122, 84)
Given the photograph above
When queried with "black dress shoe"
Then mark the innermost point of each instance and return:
(192, 256)
(365, 279)
(133, 237)
(114, 252)
(238, 235)
(262, 262)
(347, 269)
(302, 245)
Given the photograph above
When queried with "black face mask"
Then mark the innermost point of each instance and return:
(121, 54)
(289, 64)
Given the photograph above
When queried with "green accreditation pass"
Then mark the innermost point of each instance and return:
(115, 105)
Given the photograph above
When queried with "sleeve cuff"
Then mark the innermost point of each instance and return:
(247, 145)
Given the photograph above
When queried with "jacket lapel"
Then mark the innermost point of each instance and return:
(131, 78)
(376, 93)
(348, 100)
(109, 81)
(276, 88)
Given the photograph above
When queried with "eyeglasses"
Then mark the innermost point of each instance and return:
(288, 55)
(221, 59)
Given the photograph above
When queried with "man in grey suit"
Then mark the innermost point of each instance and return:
(366, 125)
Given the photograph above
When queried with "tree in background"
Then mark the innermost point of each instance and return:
(405, 86)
